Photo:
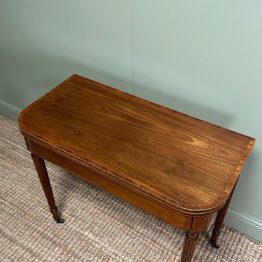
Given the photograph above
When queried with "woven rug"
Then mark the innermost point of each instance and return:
(98, 226)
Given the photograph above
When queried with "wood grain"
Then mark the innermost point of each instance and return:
(183, 162)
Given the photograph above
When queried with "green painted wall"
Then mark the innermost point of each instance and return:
(200, 57)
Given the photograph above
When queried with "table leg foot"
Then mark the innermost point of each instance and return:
(56, 215)
(60, 221)
(214, 244)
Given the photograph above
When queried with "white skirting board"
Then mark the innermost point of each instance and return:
(8, 110)
(245, 224)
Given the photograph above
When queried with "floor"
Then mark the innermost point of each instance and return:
(98, 227)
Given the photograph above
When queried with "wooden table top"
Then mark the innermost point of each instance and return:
(183, 162)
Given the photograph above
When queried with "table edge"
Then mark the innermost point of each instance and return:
(187, 210)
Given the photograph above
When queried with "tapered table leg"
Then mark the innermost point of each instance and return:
(189, 246)
(44, 179)
(219, 223)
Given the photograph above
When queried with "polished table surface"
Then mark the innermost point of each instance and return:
(181, 162)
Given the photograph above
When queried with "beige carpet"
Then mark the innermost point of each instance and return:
(98, 227)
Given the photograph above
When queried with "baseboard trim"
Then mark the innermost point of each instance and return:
(9, 110)
(245, 224)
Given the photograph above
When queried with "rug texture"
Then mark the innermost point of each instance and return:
(98, 226)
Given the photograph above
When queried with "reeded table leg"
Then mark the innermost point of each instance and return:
(219, 223)
(44, 179)
(189, 246)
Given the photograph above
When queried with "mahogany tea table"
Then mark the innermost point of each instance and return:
(171, 165)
